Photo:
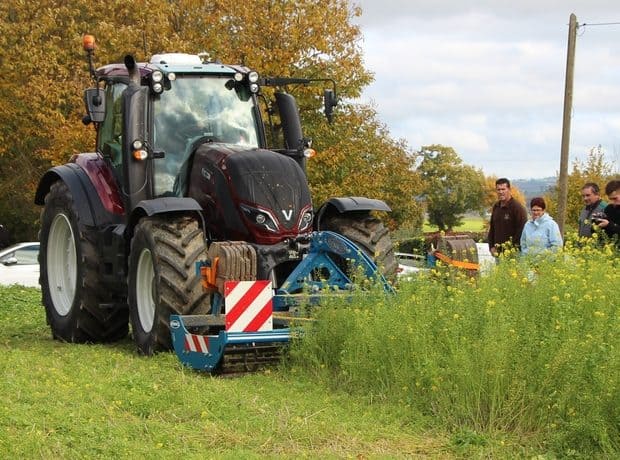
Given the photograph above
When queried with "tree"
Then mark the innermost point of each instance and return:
(357, 157)
(44, 74)
(593, 169)
(451, 188)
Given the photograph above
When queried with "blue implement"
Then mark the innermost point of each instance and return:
(205, 352)
(319, 274)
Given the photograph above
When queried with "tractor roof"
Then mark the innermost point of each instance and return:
(172, 62)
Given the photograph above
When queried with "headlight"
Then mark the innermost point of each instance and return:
(157, 81)
(253, 76)
(260, 218)
(238, 76)
(138, 150)
(157, 76)
(254, 87)
(305, 221)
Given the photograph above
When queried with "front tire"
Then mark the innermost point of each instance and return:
(70, 285)
(163, 280)
(370, 235)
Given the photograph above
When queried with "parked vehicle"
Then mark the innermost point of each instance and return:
(410, 264)
(19, 264)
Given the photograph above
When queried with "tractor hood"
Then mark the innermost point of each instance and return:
(259, 195)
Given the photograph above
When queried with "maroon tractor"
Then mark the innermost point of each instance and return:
(181, 173)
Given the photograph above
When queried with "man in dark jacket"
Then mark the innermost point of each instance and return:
(507, 218)
(611, 220)
(591, 195)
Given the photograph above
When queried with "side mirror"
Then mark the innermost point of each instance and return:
(10, 261)
(94, 98)
(330, 101)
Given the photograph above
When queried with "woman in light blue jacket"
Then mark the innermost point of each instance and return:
(541, 233)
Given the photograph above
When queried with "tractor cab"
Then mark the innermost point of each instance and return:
(177, 103)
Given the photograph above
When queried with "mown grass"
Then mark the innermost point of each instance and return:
(103, 401)
(529, 355)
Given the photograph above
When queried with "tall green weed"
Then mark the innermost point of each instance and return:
(532, 349)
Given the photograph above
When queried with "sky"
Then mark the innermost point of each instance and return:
(488, 77)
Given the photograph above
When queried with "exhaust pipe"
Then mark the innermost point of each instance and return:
(132, 69)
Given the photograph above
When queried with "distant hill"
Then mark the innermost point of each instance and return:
(534, 187)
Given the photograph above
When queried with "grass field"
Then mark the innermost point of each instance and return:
(470, 224)
(103, 401)
(522, 363)
(527, 355)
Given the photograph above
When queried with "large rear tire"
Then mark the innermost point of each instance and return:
(163, 280)
(370, 235)
(70, 286)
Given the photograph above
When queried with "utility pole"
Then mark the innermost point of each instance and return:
(568, 107)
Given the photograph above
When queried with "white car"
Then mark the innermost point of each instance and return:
(409, 264)
(19, 264)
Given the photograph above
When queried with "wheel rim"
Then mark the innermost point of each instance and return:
(145, 279)
(61, 264)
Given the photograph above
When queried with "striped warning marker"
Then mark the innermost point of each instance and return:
(248, 306)
(199, 343)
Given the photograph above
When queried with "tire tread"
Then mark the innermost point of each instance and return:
(86, 321)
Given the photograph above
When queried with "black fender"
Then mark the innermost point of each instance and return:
(344, 205)
(91, 211)
(163, 205)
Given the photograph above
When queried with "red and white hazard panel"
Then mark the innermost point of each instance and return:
(198, 343)
(248, 306)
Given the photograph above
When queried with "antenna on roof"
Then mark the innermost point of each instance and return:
(144, 45)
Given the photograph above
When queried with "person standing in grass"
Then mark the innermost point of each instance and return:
(541, 233)
(591, 195)
(507, 218)
(610, 222)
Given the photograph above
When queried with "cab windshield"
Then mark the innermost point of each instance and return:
(198, 109)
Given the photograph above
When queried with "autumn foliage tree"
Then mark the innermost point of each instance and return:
(44, 74)
(451, 188)
(384, 172)
(593, 169)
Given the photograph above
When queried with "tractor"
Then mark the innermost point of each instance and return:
(182, 197)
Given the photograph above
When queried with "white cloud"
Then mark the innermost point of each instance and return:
(487, 78)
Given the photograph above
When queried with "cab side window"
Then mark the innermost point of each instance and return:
(110, 132)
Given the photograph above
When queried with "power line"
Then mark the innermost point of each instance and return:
(581, 28)
(599, 24)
